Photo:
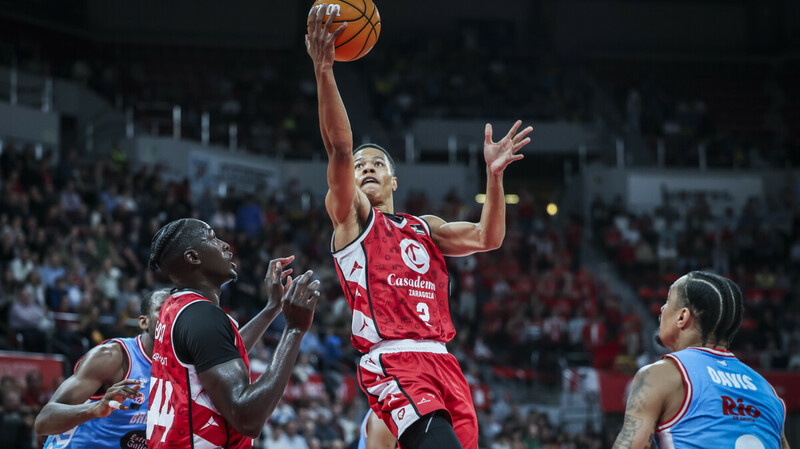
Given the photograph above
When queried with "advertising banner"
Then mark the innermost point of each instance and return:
(17, 364)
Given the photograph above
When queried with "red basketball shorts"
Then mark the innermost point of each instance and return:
(407, 379)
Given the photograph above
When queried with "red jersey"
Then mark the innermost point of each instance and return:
(181, 414)
(396, 282)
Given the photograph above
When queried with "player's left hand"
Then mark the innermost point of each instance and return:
(273, 281)
(499, 154)
(300, 301)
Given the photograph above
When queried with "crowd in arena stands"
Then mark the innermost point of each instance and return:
(758, 247)
(722, 105)
(19, 404)
(74, 235)
(270, 93)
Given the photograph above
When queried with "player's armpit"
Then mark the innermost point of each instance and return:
(784, 441)
(645, 402)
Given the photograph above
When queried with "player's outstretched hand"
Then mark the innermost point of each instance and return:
(273, 281)
(299, 302)
(116, 395)
(499, 154)
(320, 40)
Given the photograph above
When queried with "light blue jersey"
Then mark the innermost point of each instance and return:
(727, 405)
(122, 428)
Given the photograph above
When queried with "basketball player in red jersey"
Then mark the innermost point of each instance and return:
(200, 392)
(392, 269)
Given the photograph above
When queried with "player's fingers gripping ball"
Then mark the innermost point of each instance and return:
(363, 27)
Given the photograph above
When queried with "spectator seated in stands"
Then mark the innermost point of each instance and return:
(29, 323)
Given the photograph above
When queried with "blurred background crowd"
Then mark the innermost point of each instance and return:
(577, 288)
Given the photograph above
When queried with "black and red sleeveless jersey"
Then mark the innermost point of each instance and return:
(181, 414)
(396, 282)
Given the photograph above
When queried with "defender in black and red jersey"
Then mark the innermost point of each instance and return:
(392, 269)
(200, 390)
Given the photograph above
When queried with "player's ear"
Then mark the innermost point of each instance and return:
(191, 257)
(684, 317)
(394, 183)
(142, 322)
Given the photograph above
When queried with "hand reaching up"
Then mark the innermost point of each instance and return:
(299, 301)
(273, 281)
(499, 154)
(320, 40)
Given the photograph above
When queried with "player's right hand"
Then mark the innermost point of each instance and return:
(116, 395)
(299, 301)
(319, 40)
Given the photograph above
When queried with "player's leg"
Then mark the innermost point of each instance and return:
(402, 391)
(458, 400)
(432, 431)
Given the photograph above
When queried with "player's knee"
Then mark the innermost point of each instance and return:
(432, 431)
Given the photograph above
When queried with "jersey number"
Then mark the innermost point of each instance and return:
(161, 412)
(422, 308)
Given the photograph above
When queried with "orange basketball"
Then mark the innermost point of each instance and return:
(363, 28)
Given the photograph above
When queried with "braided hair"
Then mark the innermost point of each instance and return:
(717, 302)
(382, 149)
(172, 240)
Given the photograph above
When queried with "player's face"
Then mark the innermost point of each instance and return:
(151, 319)
(667, 327)
(373, 174)
(218, 257)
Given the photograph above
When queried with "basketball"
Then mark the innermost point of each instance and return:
(363, 28)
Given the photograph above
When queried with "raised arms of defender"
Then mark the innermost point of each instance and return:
(245, 405)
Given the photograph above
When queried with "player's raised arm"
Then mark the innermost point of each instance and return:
(69, 407)
(463, 238)
(246, 406)
(333, 122)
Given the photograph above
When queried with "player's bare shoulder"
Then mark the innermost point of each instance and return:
(665, 370)
(107, 363)
(657, 384)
